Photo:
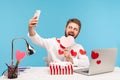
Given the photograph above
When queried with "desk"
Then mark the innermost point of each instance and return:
(42, 73)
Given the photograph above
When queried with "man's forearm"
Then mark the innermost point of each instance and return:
(31, 31)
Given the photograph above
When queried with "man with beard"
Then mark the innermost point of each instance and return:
(57, 52)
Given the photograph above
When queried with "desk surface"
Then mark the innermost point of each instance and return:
(42, 73)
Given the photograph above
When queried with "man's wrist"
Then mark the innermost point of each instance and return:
(30, 27)
(31, 31)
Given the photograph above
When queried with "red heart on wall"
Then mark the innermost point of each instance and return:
(98, 61)
(73, 53)
(94, 55)
(82, 52)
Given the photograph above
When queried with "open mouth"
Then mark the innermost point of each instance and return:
(71, 34)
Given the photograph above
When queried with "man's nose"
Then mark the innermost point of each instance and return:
(72, 29)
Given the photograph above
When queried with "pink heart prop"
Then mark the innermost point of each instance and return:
(67, 41)
(20, 55)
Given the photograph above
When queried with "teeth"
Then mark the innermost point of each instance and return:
(71, 34)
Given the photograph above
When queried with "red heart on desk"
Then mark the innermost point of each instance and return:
(94, 55)
(20, 55)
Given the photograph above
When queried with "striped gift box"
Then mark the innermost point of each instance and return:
(61, 68)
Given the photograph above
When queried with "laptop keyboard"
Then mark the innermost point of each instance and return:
(84, 70)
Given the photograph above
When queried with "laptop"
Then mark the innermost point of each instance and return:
(101, 61)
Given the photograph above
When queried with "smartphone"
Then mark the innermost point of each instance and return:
(37, 13)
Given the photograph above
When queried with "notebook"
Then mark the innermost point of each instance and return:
(102, 61)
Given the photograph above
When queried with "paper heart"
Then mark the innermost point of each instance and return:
(20, 55)
(73, 53)
(60, 52)
(67, 41)
(94, 55)
(58, 40)
(98, 61)
(82, 52)
(62, 46)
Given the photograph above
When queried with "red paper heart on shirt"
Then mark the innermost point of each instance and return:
(61, 46)
(98, 61)
(58, 40)
(20, 55)
(60, 52)
(94, 55)
(73, 53)
(82, 52)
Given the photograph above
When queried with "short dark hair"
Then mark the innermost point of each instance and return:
(74, 20)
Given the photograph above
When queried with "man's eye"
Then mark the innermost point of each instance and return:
(75, 29)
(70, 27)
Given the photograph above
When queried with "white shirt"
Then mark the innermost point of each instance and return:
(55, 50)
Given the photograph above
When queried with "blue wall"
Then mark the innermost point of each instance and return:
(100, 25)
